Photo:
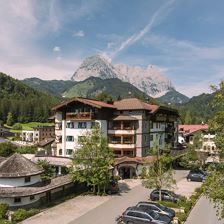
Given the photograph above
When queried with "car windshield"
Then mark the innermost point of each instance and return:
(153, 214)
(161, 207)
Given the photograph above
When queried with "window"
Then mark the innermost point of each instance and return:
(151, 137)
(60, 152)
(69, 152)
(82, 125)
(128, 153)
(27, 179)
(157, 125)
(70, 125)
(69, 138)
(151, 125)
(32, 197)
(17, 200)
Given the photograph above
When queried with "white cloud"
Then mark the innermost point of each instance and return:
(79, 33)
(56, 49)
(155, 20)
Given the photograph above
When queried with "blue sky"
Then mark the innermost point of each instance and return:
(49, 38)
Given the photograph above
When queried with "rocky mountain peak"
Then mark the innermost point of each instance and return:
(149, 80)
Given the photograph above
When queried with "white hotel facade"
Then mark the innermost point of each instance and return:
(131, 126)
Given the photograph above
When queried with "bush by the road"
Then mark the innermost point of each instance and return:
(21, 214)
(3, 210)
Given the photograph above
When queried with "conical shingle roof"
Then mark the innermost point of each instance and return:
(19, 166)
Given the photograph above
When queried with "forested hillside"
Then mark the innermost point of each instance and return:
(54, 87)
(25, 103)
(93, 86)
(198, 109)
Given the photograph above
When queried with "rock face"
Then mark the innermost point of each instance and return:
(149, 80)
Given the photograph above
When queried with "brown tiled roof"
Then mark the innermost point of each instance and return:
(135, 104)
(54, 160)
(93, 103)
(45, 142)
(33, 190)
(124, 118)
(188, 129)
(18, 166)
(130, 104)
(139, 160)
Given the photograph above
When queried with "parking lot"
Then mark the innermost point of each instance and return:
(101, 210)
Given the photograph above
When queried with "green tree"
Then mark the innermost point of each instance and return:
(214, 185)
(27, 149)
(7, 149)
(159, 174)
(9, 120)
(188, 118)
(49, 171)
(104, 96)
(92, 161)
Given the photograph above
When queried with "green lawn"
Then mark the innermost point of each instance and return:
(29, 126)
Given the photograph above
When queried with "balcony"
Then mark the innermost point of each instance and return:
(121, 131)
(121, 146)
(80, 116)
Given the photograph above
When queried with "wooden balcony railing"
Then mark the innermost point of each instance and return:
(80, 115)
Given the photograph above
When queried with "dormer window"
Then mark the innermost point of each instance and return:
(27, 179)
(17, 200)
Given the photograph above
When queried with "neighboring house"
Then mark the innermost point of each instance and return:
(43, 132)
(21, 185)
(38, 134)
(131, 126)
(208, 144)
(28, 136)
(187, 131)
(45, 146)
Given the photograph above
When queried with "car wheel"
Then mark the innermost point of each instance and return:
(188, 179)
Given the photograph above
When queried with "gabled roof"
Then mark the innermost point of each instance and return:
(46, 141)
(90, 102)
(131, 104)
(188, 129)
(19, 166)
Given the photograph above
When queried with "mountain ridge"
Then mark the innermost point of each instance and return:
(149, 80)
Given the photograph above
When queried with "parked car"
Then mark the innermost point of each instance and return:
(156, 207)
(196, 175)
(112, 187)
(135, 215)
(166, 196)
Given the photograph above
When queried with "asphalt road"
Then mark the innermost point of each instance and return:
(203, 212)
(108, 211)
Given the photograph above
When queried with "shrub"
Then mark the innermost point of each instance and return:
(181, 216)
(4, 221)
(168, 204)
(32, 212)
(3, 210)
(19, 215)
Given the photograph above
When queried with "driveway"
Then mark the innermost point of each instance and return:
(99, 210)
(203, 212)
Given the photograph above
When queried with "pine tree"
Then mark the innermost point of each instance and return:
(9, 120)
